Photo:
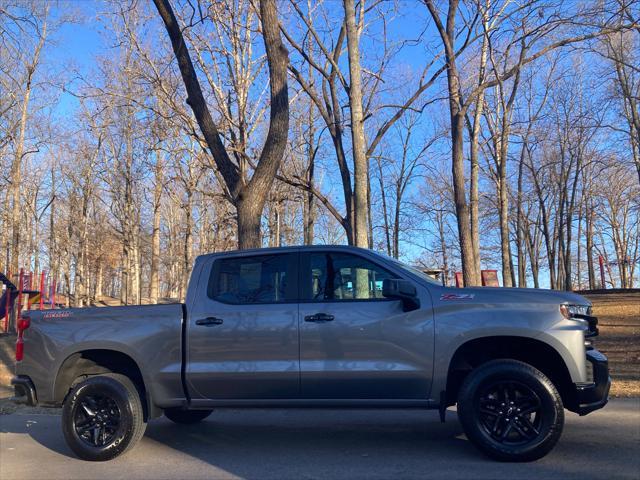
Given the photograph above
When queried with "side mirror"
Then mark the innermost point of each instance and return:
(401, 290)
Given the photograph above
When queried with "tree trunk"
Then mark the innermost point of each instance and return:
(396, 218)
(474, 155)
(360, 161)
(385, 208)
(136, 284)
(578, 244)
(82, 275)
(369, 215)
(154, 283)
(99, 280)
(124, 275)
(335, 130)
(443, 248)
(16, 180)
(462, 208)
(5, 240)
(589, 245)
(502, 151)
(546, 231)
(249, 219)
(309, 210)
(188, 243)
(54, 259)
(278, 222)
(522, 266)
(534, 257)
(505, 244)
(309, 215)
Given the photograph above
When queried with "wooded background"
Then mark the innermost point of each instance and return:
(458, 135)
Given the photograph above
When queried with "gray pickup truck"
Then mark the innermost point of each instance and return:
(320, 327)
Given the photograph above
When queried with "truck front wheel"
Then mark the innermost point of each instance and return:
(102, 417)
(511, 411)
(177, 415)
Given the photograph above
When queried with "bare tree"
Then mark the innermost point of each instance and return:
(397, 175)
(31, 61)
(622, 51)
(248, 196)
(620, 199)
(330, 88)
(533, 25)
(457, 110)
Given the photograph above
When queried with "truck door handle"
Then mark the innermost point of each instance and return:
(209, 321)
(319, 318)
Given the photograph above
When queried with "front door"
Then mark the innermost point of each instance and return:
(354, 343)
(243, 338)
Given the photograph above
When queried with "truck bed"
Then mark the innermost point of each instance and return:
(151, 335)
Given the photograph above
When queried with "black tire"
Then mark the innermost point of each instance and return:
(102, 417)
(511, 411)
(186, 417)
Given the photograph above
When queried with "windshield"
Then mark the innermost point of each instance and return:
(417, 272)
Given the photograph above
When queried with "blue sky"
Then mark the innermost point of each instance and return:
(80, 41)
(76, 45)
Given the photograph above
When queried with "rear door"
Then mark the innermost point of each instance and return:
(243, 337)
(354, 343)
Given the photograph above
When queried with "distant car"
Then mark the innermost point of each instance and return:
(323, 327)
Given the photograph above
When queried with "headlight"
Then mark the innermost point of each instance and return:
(570, 311)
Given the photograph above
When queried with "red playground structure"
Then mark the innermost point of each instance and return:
(25, 288)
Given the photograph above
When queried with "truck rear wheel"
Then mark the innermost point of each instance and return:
(178, 415)
(511, 411)
(102, 417)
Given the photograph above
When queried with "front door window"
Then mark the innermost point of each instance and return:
(345, 277)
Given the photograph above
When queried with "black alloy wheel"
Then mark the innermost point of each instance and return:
(509, 412)
(97, 420)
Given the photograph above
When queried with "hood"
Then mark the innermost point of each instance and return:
(516, 295)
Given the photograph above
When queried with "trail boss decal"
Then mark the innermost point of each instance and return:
(56, 315)
(457, 296)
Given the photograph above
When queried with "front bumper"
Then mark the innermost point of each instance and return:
(595, 395)
(25, 392)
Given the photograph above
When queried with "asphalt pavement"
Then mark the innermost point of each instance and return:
(324, 444)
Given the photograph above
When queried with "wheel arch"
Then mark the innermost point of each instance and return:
(534, 352)
(96, 361)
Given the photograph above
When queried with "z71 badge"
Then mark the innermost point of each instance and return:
(457, 296)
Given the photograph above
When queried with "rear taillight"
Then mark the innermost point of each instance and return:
(23, 324)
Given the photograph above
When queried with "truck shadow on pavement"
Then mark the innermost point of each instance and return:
(307, 437)
(318, 443)
(297, 432)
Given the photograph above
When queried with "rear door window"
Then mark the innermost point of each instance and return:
(254, 280)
